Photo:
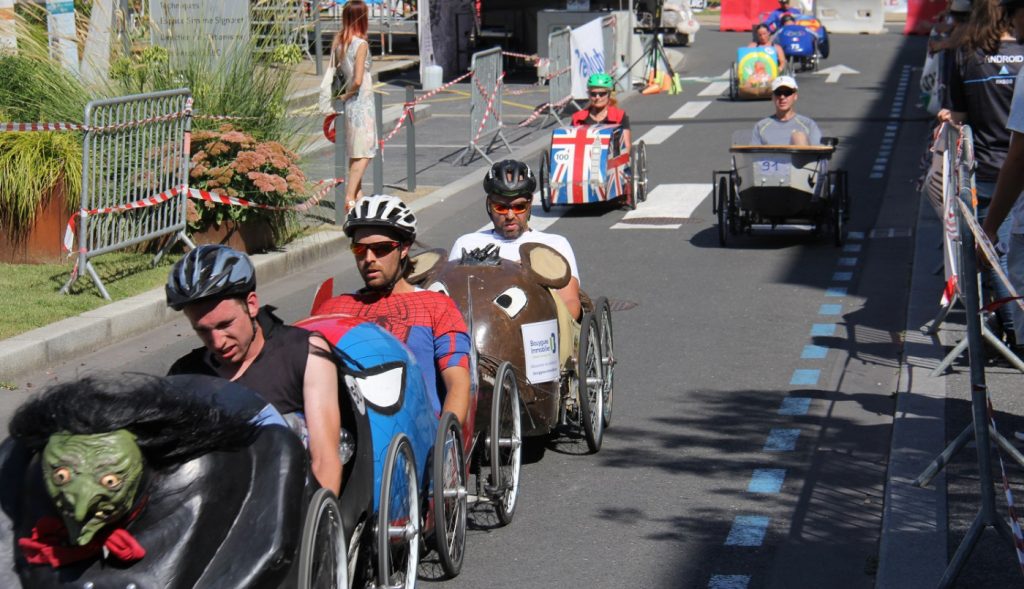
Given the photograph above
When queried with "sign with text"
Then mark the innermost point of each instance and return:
(540, 346)
(179, 25)
(60, 24)
(587, 55)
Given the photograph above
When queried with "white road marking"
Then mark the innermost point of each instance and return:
(714, 89)
(668, 202)
(835, 72)
(690, 110)
(659, 134)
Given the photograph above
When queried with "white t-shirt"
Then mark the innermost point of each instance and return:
(508, 249)
(1016, 124)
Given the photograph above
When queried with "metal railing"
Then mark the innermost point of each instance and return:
(135, 148)
(559, 73)
(485, 104)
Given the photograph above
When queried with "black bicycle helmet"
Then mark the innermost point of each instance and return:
(209, 271)
(382, 210)
(510, 178)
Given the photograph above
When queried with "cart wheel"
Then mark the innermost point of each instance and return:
(545, 182)
(398, 520)
(606, 335)
(641, 164)
(323, 557)
(733, 83)
(590, 385)
(835, 194)
(449, 477)
(734, 217)
(844, 184)
(506, 441)
(722, 204)
(629, 199)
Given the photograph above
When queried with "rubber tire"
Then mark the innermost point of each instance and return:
(544, 181)
(449, 540)
(323, 508)
(835, 200)
(721, 201)
(507, 454)
(588, 366)
(629, 200)
(603, 312)
(733, 83)
(641, 163)
(399, 445)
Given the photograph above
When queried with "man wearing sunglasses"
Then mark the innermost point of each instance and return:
(786, 127)
(509, 185)
(383, 229)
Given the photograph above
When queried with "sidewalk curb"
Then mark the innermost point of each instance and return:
(120, 320)
(912, 547)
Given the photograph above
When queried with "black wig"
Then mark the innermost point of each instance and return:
(172, 425)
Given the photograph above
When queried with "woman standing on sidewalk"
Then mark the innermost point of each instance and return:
(352, 54)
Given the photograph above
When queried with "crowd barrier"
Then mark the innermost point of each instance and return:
(485, 103)
(921, 15)
(969, 241)
(851, 16)
(560, 73)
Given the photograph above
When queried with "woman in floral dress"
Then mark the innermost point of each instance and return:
(352, 54)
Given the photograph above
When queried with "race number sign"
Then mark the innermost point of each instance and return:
(540, 346)
(772, 170)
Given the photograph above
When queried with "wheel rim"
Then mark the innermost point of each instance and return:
(590, 384)
(545, 190)
(643, 171)
(398, 523)
(607, 361)
(323, 562)
(506, 446)
(723, 207)
(450, 507)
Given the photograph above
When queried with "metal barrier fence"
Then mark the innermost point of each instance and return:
(851, 16)
(560, 73)
(485, 103)
(135, 147)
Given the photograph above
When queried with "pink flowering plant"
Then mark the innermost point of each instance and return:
(232, 163)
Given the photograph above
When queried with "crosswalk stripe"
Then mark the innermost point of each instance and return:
(714, 89)
(690, 110)
(659, 134)
(667, 203)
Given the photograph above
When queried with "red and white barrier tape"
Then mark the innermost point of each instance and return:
(540, 61)
(540, 110)
(490, 105)
(988, 250)
(407, 110)
(197, 194)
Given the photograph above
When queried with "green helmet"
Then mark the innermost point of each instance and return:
(600, 80)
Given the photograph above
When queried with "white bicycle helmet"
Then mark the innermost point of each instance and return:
(209, 271)
(382, 210)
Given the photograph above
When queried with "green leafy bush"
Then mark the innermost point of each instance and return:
(30, 164)
(290, 54)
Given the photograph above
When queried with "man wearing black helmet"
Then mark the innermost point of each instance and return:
(291, 368)
(509, 185)
(383, 229)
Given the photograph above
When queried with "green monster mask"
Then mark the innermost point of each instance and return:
(92, 479)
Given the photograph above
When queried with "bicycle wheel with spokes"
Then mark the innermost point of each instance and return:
(398, 519)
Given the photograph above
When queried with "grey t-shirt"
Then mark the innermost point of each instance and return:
(772, 131)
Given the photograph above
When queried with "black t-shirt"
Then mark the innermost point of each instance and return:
(278, 372)
(982, 86)
(590, 121)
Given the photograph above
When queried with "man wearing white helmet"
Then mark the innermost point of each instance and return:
(383, 229)
(786, 127)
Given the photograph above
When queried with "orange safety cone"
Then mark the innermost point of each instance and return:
(666, 83)
(652, 89)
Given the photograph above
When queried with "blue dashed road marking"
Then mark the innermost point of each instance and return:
(813, 352)
(729, 582)
(823, 329)
(829, 309)
(855, 235)
(795, 406)
(835, 291)
(842, 276)
(781, 440)
(805, 377)
(847, 261)
(747, 530)
(767, 480)
(851, 248)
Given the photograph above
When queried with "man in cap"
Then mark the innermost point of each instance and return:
(785, 127)
(774, 20)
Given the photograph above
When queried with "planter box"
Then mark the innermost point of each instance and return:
(250, 237)
(41, 243)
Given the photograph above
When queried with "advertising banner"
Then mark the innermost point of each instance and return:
(587, 55)
(60, 24)
(540, 346)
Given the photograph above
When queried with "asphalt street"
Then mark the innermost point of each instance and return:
(755, 384)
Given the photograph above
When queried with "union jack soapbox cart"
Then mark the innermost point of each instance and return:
(590, 164)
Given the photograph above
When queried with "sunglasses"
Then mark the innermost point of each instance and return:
(379, 249)
(784, 92)
(599, 94)
(518, 209)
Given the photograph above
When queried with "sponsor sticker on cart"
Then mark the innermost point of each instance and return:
(772, 169)
(540, 346)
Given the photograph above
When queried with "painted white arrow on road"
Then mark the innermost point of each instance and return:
(834, 72)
